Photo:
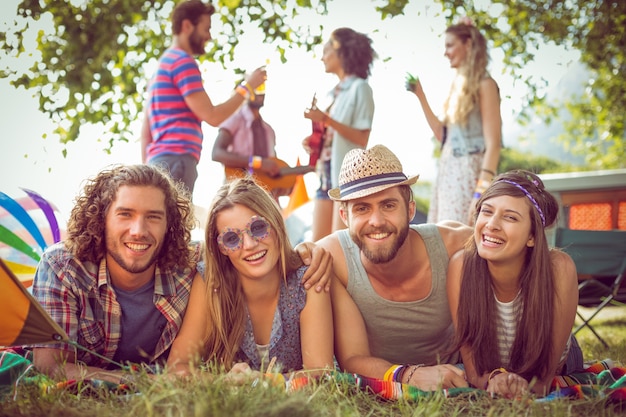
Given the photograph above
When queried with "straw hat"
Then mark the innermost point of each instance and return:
(368, 171)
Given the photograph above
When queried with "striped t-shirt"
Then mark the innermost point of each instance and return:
(507, 326)
(175, 128)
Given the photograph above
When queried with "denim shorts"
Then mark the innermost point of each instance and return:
(181, 167)
(325, 182)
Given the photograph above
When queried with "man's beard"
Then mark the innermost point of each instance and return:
(135, 268)
(381, 255)
(196, 43)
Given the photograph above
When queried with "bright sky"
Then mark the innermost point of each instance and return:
(412, 42)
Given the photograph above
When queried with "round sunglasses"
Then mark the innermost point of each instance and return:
(232, 239)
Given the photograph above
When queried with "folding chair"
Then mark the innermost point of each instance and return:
(600, 258)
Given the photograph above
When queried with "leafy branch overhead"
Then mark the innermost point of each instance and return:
(90, 67)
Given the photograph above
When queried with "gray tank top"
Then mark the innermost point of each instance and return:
(405, 332)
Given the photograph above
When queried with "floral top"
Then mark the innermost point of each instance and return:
(285, 337)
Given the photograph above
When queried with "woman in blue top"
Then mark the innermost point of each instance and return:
(251, 306)
(347, 121)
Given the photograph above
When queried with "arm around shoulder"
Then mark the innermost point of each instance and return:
(454, 234)
(316, 332)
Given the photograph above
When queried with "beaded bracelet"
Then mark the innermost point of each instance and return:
(493, 373)
(413, 369)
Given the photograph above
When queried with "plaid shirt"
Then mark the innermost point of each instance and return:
(78, 296)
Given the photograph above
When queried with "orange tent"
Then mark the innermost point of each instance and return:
(298, 196)
(24, 321)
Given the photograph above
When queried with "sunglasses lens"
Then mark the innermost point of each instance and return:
(259, 228)
(230, 240)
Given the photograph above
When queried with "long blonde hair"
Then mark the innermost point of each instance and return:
(464, 91)
(225, 298)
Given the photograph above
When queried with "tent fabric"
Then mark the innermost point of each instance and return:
(28, 224)
(24, 321)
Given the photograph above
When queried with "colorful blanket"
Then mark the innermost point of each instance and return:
(601, 379)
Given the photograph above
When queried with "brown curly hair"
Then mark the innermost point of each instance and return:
(354, 50)
(86, 226)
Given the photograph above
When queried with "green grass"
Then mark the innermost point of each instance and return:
(203, 396)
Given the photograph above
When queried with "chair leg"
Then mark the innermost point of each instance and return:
(587, 320)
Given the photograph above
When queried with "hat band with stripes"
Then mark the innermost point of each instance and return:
(371, 181)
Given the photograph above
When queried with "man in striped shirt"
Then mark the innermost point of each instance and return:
(177, 103)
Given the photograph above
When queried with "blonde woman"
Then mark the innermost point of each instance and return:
(251, 306)
(471, 129)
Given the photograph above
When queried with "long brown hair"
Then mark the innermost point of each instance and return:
(476, 327)
(225, 298)
(87, 222)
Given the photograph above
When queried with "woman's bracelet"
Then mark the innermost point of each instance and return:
(493, 373)
(488, 171)
(481, 186)
(412, 371)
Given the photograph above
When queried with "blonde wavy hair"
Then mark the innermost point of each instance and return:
(464, 91)
(225, 298)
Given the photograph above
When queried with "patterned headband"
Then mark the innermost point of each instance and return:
(530, 197)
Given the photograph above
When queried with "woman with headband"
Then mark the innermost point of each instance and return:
(512, 298)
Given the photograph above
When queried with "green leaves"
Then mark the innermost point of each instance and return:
(94, 52)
